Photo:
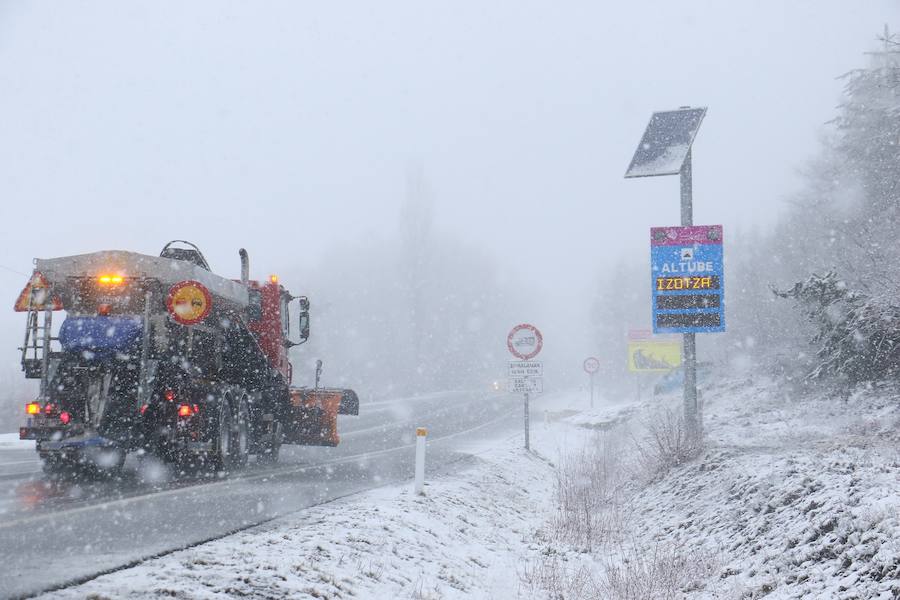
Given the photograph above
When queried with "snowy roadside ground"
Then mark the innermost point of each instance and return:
(800, 496)
(468, 537)
(792, 497)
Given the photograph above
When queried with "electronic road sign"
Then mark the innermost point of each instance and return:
(687, 279)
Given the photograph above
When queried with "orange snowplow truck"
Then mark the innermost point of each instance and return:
(157, 353)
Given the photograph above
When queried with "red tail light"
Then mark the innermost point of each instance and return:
(33, 408)
(65, 417)
(170, 395)
(50, 409)
(143, 409)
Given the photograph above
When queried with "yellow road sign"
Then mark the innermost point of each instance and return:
(653, 355)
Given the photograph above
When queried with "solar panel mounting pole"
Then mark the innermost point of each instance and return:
(665, 149)
(691, 413)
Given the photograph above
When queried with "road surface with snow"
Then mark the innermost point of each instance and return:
(53, 533)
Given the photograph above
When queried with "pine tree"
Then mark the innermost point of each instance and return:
(867, 153)
(857, 336)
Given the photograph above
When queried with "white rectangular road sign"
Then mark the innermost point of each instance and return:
(526, 368)
(531, 385)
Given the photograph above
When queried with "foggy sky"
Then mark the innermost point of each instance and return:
(289, 128)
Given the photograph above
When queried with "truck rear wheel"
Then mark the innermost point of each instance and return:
(223, 439)
(232, 439)
(241, 433)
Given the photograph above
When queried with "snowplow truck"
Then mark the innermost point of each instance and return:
(158, 354)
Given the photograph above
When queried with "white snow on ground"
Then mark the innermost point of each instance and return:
(468, 537)
(464, 538)
(795, 498)
(11, 440)
(792, 498)
(461, 540)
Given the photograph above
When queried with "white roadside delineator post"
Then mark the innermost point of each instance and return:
(421, 434)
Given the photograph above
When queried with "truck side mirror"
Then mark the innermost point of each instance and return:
(304, 318)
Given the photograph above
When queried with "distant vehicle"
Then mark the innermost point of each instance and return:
(162, 355)
(497, 386)
(673, 381)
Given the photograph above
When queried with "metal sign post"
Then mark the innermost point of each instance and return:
(591, 365)
(525, 342)
(692, 422)
(527, 425)
(687, 279)
(686, 299)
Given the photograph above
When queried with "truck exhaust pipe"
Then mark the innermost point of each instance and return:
(245, 266)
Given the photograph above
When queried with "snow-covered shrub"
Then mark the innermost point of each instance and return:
(659, 572)
(664, 442)
(589, 489)
(558, 578)
(857, 336)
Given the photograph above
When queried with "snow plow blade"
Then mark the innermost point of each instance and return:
(313, 420)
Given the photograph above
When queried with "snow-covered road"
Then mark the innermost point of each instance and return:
(795, 495)
(463, 539)
(472, 535)
(18, 459)
(54, 533)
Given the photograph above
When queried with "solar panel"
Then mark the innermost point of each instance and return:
(666, 142)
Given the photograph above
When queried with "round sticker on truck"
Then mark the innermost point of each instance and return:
(189, 302)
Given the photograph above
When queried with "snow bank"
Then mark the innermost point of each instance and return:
(574, 409)
(792, 498)
(799, 497)
(465, 538)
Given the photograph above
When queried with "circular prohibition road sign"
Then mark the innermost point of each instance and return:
(591, 365)
(524, 341)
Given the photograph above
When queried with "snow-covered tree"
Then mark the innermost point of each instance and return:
(857, 337)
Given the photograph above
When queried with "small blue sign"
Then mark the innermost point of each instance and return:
(687, 279)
